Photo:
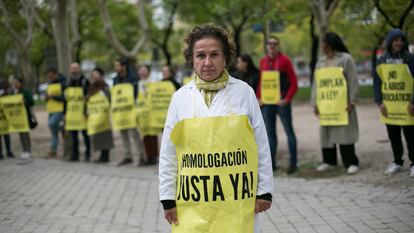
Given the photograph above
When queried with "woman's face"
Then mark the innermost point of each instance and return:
(16, 84)
(143, 72)
(397, 44)
(241, 65)
(166, 74)
(208, 58)
(95, 76)
(325, 48)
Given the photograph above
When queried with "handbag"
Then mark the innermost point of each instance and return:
(32, 120)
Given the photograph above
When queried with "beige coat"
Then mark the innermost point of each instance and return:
(330, 135)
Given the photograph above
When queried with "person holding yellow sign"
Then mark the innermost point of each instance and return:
(215, 168)
(55, 107)
(277, 86)
(394, 95)
(98, 122)
(75, 121)
(334, 95)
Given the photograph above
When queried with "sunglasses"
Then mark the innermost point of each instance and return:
(273, 43)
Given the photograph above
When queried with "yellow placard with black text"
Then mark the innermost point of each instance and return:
(123, 109)
(270, 87)
(331, 96)
(97, 109)
(217, 174)
(159, 94)
(54, 89)
(397, 93)
(15, 112)
(75, 109)
(4, 125)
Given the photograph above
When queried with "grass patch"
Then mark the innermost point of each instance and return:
(308, 171)
(303, 94)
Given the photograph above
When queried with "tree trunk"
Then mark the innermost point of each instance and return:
(61, 34)
(167, 54)
(314, 48)
(25, 68)
(237, 40)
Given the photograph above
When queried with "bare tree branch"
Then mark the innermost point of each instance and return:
(7, 23)
(29, 9)
(405, 14)
(74, 23)
(384, 14)
(332, 6)
(113, 40)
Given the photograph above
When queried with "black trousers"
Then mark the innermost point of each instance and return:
(6, 138)
(394, 134)
(75, 144)
(347, 154)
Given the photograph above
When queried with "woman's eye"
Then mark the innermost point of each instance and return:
(200, 56)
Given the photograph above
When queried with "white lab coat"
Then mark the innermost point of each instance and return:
(237, 97)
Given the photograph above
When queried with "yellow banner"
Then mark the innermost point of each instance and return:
(4, 125)
(270, 87)
(143, 115)
(75, 109)
(217, 175)
(397, 93)
(15, 112)
(159, 94)
(187, 80)
(52, 105)
(331, 96)
(123, 109)
(98, 113)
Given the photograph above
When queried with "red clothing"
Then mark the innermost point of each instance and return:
(288, 79)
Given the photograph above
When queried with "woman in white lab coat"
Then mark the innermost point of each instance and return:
(212, 109)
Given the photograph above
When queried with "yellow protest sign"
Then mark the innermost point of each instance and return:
(187, 80)
(397, 93)
(270, 87)
(143, 115)
(217, 174)
(4, 125)
(331, 96)
(98, 113)
(159, 94)
(123, 109)
(15, 112)
(52, 105)
(75, 109)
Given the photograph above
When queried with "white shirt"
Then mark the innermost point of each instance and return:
(188, 102)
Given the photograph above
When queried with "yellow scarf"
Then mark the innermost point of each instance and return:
(210, 89)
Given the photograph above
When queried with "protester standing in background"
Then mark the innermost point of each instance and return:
(278, 62)
(99, 125)
(75, 94)
(247, 71)
(168, 74)
(5, 90)
(125, 87)
(55, 107)
(336, 55)
(396, 65)
(28, 104)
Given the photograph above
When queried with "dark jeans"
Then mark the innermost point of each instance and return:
(6, 138)
(347, 153)
(75, 144)
(285, 113)
(394, 134)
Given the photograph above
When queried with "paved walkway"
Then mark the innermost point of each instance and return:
(49, 196)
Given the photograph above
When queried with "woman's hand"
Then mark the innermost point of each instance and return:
(383, 110)
(262, 205)
(316, 111)
(411, 109)
(349, 107)
(171, 216)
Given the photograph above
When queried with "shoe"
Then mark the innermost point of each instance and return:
(353, 169)
(124, 162)
(74, 159)
(291, 170)
(10, 155)
(323, 167)
(50, 155)
(392, 169)
(25, 155)
(1, 156)
(412, 171)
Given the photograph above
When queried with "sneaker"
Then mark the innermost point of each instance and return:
(412, 171)
(25, 155)
(323, 167)
(124, 162)
(353, 169)
(392, 169)
(291, 170)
